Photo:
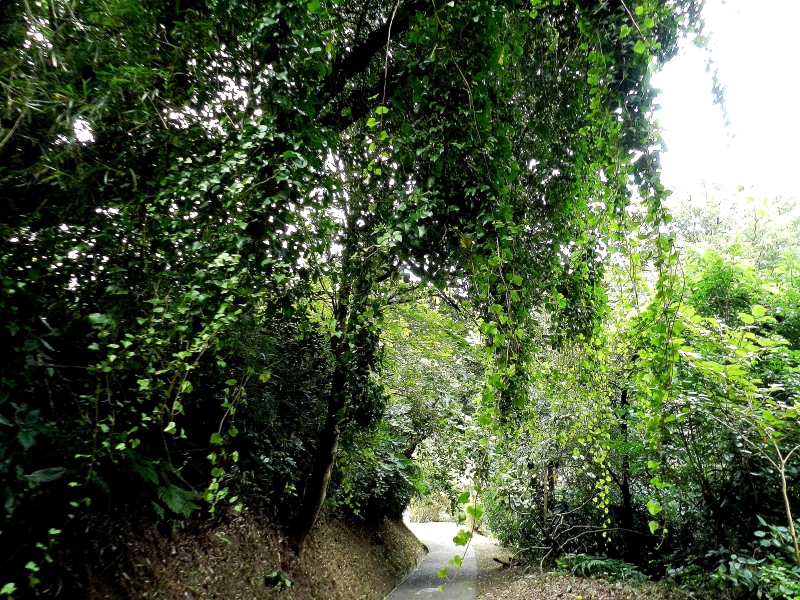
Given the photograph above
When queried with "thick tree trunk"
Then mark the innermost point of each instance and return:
(316, 487)
(324, 458)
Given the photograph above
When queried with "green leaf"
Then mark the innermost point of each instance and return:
(652, 465)
(654, 507)
(657, 483)
(8, 589)
(264, 377)
(463, 498)
(217, 439)
(758, 311)
(314, 6)
(170, 428)
(442, 573)
(45, 475)
(381, 110)
(99, 319)
(746, 319)
(26, 438)
(462, 537)
(639, 48)
(457, 560)
(371, 122)
(653, 526)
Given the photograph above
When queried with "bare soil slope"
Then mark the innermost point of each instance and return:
(344, 560)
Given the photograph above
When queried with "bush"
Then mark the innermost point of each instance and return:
(586, 565)
(769, 572)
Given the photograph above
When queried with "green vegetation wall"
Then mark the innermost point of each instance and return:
(207, 207)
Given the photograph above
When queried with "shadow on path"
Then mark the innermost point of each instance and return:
(460, 584)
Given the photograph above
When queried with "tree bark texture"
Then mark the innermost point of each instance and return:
(324, 458)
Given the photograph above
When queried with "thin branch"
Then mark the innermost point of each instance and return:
(633, 19)
(14, 128)
(386, 58)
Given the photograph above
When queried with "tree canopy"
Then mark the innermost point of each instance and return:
(210, 207)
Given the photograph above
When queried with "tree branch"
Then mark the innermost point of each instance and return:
(356, 62)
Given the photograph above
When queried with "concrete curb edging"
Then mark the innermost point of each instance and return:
(398, 582)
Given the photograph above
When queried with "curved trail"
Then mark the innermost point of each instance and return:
(460, 584)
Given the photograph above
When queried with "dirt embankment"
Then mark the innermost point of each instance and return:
(497, 582)
(243, 558)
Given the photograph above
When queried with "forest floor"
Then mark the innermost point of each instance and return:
(496, 582)
(243, 557)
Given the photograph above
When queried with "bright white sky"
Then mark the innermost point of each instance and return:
(754, 44)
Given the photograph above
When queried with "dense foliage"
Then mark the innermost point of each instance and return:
(669, 441)
(216, 216)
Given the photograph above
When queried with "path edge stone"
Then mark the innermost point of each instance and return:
(421, 554)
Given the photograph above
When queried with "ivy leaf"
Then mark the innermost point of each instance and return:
(26, 438)
(653, 507)
(463, 498)
(653, 526)
(8, 589)
(457, 560)
(462, 537)
(442, 573)
(264, 377)
(639, 48)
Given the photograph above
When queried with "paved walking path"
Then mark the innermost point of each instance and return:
(460, 584)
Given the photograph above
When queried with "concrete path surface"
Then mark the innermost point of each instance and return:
(460, 584)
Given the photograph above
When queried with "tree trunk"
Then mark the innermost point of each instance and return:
(787, 506)
(625, 484)
(316, 487)
(324, 458)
